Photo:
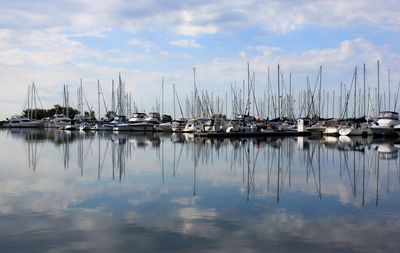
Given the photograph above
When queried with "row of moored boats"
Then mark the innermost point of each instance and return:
(387, 124)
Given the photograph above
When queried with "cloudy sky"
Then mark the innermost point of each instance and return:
(53, 43)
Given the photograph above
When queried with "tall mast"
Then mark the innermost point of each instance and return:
(173, 88)
(333, 104)
(319, 91)
(364, 94)
(98, 98)
(81, 98)
(248, 90)
(194, 93)
(113, 97)
(389, 87)
(290, 112)
(29, 114)
(268, 88)
(162, 97)
(355, 93)
(379, 102)
(279, 96)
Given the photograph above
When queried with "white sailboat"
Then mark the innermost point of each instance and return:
(356, 130)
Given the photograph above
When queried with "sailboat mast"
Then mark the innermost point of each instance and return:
(162, 97)
(81, 98)
(173, 88)
(98, 98)
(194, 93)
(333, 104)
(364, 92)
(355, 93)
(379, 104)
(279, 96)
(269, 94)
(319, 91)
(248, 90)
(112, 97)
(389, 87)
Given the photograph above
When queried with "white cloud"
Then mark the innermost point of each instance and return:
(147, 45)
(197, 18)
(185, 43)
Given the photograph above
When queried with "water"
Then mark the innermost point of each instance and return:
(108, 192)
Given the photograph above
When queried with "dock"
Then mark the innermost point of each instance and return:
(250, 134)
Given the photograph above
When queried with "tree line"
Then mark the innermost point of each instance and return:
(39, 114)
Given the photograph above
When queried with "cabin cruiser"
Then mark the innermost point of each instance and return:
(242, 123)
(134, 127)
(81, 123)
(153, 117)
(109, 125)
(165, 124)
(178, 125)
(19, 121)
(58, 120)
(385, 125)
(140, 122)
(240, 126)
(135, 123)
(193, 125)
(138, 117)
(215, 125)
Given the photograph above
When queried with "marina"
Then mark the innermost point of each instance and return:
(199, 126)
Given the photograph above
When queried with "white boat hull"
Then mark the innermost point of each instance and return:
(355, 131)
(136, 127)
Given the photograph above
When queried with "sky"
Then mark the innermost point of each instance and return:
(57, 43)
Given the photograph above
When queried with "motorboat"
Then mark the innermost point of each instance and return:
(193, 125)
(109, 125)
(58, 121)
(19, 121)
(178, 125)
(138, 117)
(153, 117)
(134, 127)
(385, 125)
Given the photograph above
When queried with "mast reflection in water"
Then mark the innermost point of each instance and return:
(158, 192)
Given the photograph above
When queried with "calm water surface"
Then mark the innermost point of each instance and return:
(110, 192)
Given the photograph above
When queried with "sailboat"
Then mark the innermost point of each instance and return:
(357, 129)
(362, 129)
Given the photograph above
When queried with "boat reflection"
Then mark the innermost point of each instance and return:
(345, 167)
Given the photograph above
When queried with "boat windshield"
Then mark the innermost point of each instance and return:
(389, 115)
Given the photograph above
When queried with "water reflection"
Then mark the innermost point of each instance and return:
(161, 188)
(353, 159)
